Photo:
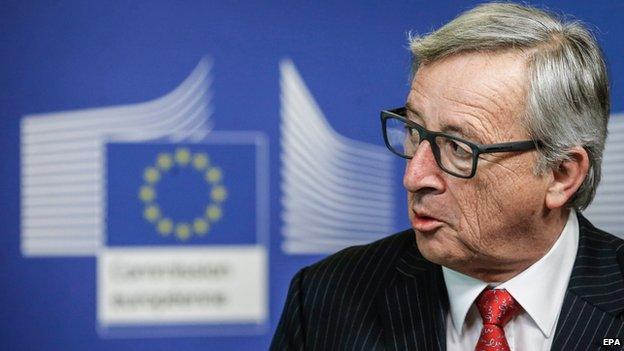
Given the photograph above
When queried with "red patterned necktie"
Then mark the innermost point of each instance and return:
(497, 307)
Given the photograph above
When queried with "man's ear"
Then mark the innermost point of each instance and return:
(567, 178)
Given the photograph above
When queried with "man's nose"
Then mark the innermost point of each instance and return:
(422, 171)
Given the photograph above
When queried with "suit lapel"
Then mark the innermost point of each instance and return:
(412, 305)
(594, 300)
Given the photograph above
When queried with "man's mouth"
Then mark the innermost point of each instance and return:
(424, 222)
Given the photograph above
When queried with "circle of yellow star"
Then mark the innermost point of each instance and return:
(218, 193)
(164, 161)
(213, 176)
(183, 231)
(182, 156)
(152, 213)
(147, 193)
(200, 161)
(151, 175)
(201, 226)
(165, 226)
(213, 212)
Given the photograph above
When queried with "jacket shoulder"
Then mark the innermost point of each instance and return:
(362, 259)
(596, 242)
(356, 272)
(326, 299)
(603, 238)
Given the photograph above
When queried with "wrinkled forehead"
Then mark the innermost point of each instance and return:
(486, 92)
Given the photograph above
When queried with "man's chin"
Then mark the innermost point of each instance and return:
(432, 246)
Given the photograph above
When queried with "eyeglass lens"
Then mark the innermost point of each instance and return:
(452, 155)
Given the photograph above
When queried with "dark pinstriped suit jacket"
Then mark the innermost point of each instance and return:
(386, 296)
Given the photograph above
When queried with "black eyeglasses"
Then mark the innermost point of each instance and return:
(453, 155)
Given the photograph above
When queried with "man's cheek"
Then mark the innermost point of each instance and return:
(490, 196)
(466, 206)
(479, 208)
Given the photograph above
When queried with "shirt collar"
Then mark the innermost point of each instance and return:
(539, 289)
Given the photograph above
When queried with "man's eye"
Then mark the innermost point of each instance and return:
(459, 149)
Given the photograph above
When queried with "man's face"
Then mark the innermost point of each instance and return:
(490, 218)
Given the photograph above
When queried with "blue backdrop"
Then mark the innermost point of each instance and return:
(65, 56)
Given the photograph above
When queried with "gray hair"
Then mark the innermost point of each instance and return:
(568, 96)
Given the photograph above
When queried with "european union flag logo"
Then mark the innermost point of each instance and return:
(181, 194)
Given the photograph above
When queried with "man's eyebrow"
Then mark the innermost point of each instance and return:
(409, 107)
(413, 113)
(467, 133)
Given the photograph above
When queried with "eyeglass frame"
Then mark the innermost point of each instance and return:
(425, 134)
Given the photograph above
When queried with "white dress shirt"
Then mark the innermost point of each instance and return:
(539, 289)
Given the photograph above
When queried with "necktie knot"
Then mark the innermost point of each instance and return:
(497, 307)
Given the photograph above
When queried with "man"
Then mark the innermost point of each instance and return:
(503, 132)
